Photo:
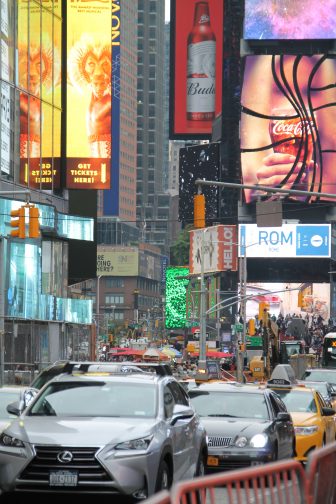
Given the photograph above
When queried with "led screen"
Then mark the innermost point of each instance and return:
(290, 19)
(198, 162)
(39, 73)
(94, 29)
(304, 300)
(176, 297)
(288, 122)
(196, 65)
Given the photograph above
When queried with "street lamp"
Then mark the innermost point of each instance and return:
(97, 312)
(202, 371)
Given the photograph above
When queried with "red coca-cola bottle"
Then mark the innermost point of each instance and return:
(201, 68)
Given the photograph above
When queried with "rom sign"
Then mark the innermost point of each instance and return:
(289, 240)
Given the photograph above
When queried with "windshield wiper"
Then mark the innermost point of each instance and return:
(222, 415)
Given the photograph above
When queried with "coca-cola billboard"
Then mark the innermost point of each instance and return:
(196, 67)
(287, 135)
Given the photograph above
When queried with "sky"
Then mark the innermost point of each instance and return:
(167, 10)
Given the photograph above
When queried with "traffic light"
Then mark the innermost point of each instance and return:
(251, 327)
(34, 224)
(19, 223)
(199, 211)
(263, 311)
(300, 299)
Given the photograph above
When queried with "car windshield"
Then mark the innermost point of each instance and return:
(319, 375)
(97, 398)
(228, 404)
(297, 402)
(321, 387)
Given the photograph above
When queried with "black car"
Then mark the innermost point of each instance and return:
(246, 425)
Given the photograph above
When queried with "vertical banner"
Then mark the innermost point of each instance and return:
(111, 197)
(89, 96)
(39, 66)
(196, 67)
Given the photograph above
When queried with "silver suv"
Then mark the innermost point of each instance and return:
(127, 434)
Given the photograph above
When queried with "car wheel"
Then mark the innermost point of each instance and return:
(163, 480)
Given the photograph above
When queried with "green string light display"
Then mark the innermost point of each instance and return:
(176, 297)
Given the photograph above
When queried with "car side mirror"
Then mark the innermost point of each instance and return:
(282, 416)
(15, 408)
(328, 411)
(181, 412)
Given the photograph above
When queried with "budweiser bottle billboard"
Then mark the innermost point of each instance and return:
(201, 66)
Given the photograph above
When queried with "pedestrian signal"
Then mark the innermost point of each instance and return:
(19, 223)
(34, 223)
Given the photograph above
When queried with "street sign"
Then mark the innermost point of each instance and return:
(254, 341)
(239, 327)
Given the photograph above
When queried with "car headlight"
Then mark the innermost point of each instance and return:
(135, 444)
(241, 442)
(306, 431)
(6, 440)
(259, 441)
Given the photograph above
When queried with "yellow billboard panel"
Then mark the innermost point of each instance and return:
(39, 69)
(89, 100)
(118, 261)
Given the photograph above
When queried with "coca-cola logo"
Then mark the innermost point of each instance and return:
(292, 128)
(204, 19)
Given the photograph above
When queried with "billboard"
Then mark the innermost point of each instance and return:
(216, 246)
(93, 31)
(289, 19)
(196, 67)
(289, 240)
(198, 162)
(283, 299)
(175, 309)
(39, 72)
(287, 136)
(118, 261)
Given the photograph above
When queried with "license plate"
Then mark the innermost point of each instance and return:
(63, 478)
(213, 461)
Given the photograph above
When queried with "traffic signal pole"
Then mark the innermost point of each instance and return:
(202, 368)
(2, 290)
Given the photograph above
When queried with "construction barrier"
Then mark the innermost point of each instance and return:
(159, 498)
(282, 482)
(320, 475)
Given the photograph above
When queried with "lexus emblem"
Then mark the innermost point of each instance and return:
(64, 457)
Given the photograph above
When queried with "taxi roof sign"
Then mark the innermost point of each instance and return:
(283, 376)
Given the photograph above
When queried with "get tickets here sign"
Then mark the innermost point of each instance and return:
(93, 29)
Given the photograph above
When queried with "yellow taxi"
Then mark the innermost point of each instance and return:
(313, 419)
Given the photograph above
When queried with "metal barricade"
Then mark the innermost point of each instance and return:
(159, 498)
(320, 475)
(281, 482)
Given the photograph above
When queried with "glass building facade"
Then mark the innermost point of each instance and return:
(39, 323)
